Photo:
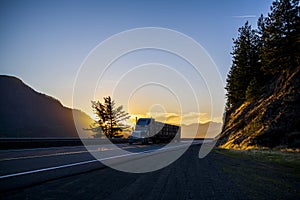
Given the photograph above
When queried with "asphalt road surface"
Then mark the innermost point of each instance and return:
(71, 173)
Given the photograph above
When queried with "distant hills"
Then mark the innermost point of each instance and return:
(27, 113)
(205, 130)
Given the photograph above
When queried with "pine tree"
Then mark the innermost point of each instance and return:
(280, 35)
(110, 119)
(245, 65)
(252, 89)
(260, 55)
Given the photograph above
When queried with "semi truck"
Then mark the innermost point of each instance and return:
(147, 130)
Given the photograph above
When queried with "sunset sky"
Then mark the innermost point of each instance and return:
(45, 43)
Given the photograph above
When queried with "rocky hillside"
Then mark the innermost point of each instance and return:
(272, 120)
(27, 113)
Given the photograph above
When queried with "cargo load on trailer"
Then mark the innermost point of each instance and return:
(147, 130)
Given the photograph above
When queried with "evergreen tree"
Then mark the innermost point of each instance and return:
(280, 35)
(259, 55)
(245, 64)
(110, 119)
(252, 89)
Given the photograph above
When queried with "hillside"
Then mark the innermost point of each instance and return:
(263, 83)
(272, 120)
(27, 113)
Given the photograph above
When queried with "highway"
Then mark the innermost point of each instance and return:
(23, 167)
(73, 173)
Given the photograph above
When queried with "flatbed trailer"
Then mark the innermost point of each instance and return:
(147, 130)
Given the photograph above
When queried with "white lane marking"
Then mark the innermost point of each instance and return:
(102, 148)
(39, 149)
(58, 154)
(47, 169)
(86, 162)
(41, 156)
(50, 148)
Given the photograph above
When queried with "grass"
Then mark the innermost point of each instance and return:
(286, 157)
(263, 173)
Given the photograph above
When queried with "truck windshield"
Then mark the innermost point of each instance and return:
(143, 122)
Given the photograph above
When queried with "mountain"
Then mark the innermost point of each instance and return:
(205, 130)
(272, 120)
(27, 113)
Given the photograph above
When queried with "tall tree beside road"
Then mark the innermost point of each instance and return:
(261, 55)
(110, 118)
(280, 35)
(245, 64)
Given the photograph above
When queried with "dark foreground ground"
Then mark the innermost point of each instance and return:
(220, 175)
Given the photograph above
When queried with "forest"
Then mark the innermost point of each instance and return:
(260, 55)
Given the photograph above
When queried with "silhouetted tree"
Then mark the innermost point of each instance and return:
(260, 55)
(245, 64)
(110, 118)
(279, 32)
(252, 89)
